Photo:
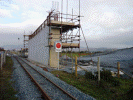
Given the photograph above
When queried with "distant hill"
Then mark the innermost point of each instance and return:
(96, 49)
(10, 47)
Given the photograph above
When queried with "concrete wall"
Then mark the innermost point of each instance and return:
(53, 54)
(37, 49)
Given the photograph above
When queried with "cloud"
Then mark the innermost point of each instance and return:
(18, 28)
(5, 13)
(106, 19)
(32, 15)
(15, 7)
(36, 4)
(105, 23)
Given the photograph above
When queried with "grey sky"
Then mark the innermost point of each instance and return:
(106, 23)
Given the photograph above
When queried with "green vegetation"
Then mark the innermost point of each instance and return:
(7, 92)
(82, 53)
(108, 88)
(105, 75)
(76, 54)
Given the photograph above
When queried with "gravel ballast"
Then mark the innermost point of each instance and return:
(25, 87)
(69, 88)
(51, 90)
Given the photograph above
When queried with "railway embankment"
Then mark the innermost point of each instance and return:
(109, 88)
(7, 91)
(23, 84)
(80, 87)
(25, 87)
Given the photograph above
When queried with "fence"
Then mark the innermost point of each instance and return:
(74, 65)
(2, 59)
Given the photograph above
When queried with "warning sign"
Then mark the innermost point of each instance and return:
(58, 46)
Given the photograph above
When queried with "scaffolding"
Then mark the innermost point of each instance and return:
(67, 23)
(26, 39)
(68, 38)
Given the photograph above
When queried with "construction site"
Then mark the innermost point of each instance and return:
(53, 65)
(58, 27)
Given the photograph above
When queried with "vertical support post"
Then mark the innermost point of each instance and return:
(66, 56)
(72, 64)
(21, 52)
(61, 23)
(72, 60)
(66, 10)
(48, 18)
(76, 66)
(60, 55)
(118, 67)
(1, 60)
(98, 69)
(72, 16)
(24, 44)
(58, 60)
(44, 24)
(49, 57)
(4, 57)
(79, 30)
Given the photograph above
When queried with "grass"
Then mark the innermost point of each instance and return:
(103, 92)
(6, 90)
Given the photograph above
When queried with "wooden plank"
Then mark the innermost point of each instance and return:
(70, 44)
(66, 44)
(59, 23)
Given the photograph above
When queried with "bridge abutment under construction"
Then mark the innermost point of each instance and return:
(54, 28)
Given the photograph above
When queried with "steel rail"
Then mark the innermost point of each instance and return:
(73, 98)
(42, 91)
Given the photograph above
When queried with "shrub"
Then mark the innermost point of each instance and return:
(106, 75)
(102, 84)
(115, 82)
(89, 75)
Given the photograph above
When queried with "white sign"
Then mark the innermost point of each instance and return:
(58, 46)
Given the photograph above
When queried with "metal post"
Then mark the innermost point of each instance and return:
(98, 69)
(49, 57)
(66, 10)
(58, 60)
(72, 64)
(24, 43)
(61, 23)
(79, 30)
(72, 60)
(66, 56)
(76, 66)
(118, 67)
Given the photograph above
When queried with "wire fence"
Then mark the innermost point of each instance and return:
(81, 67)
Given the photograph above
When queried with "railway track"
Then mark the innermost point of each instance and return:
(49, 90)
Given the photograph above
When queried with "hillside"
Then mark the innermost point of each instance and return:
(124, 56)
